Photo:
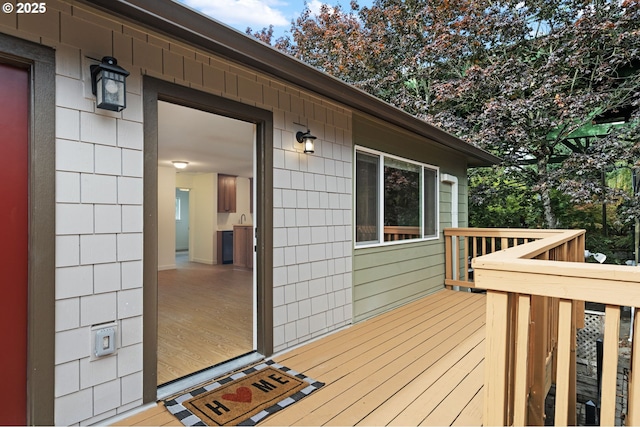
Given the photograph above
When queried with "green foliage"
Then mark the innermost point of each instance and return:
(497, 199)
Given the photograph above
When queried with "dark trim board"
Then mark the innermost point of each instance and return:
(155, 90)
(40, 62)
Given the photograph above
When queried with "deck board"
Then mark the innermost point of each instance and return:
(471, 415)
(156, 416)
(308, 356)
(396, 348)
(382, 374)
(432, 384)
(420, 364)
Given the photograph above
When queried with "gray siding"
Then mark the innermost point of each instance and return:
(386, 277)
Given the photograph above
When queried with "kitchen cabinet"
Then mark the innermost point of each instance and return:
(243, 247)
(226, 193)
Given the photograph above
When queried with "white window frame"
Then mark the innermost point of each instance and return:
(382, 155)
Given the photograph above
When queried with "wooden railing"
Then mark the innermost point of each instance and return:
(464, 244)
(535, 295)
(391, 233)
(398, 232)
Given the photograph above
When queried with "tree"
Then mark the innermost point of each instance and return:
(531, 81)
(530, 103)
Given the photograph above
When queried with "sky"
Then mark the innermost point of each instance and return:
(258, 14)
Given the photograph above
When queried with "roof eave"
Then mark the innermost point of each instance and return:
(190, 26)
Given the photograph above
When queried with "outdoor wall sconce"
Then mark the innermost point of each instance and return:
(306, 139)
(108, 84)
(179, 164)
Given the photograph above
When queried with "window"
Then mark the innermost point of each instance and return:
(367, 197)
(396, 199)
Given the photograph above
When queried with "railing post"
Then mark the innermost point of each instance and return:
(633, 401)
(496, 367)
(448, 256)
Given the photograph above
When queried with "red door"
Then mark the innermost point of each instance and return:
(14, 152)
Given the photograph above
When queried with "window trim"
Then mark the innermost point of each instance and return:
(381, 164)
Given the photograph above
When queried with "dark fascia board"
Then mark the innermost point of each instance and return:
(181, 22)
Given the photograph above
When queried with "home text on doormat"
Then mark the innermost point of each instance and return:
(244, 398)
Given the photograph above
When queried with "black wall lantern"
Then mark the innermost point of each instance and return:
(306, 139)
(108, 84)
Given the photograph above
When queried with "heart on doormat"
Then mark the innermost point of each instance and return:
(242, 394)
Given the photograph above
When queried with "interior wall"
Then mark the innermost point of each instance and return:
(166, 218)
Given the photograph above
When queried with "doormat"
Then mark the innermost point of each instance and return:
(244, 398)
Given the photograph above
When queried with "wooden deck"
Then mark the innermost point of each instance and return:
(420, 364)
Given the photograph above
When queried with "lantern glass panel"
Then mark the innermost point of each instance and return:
(110, 90)
(308, 145)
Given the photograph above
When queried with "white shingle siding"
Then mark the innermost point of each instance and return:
(99, 201)
(312, 223)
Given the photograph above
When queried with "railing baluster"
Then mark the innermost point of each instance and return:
(565, 313)
(610, 365)
(522, 360)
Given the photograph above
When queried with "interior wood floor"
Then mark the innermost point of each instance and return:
(420, 364)
(205, 317)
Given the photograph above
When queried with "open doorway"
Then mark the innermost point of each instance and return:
(206, 300)
(182, 222)
(261, 120)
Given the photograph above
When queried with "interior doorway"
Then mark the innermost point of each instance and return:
(182, 221)
(206, 307)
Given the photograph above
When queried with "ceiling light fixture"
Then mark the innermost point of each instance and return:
(180, 164)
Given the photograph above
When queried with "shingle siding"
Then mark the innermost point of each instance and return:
(99, 199)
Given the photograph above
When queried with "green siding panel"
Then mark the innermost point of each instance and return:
(385, 277)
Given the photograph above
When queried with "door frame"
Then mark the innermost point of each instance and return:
(39, 61)
(158, 90)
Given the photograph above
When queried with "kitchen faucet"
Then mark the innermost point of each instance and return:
(241, 218)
